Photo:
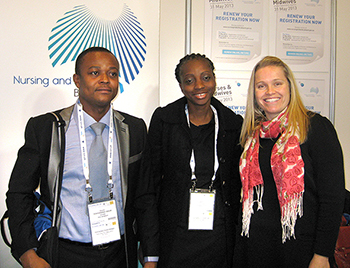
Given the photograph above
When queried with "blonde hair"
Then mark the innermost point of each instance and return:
(254, 116)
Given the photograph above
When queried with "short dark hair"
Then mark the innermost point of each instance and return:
(188, 57)
(81, 56)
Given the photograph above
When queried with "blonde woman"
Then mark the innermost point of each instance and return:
(292, 176)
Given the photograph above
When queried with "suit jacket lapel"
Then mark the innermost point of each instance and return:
(66, 115)
(122, 133)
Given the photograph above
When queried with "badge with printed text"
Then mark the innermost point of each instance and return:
(104, 222)
(201, 214)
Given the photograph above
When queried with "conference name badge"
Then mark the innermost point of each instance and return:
(104, 222)
(201, 214)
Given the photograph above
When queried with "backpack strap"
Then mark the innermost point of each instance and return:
(58, 140)
(3, 233)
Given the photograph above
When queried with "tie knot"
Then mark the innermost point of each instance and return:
(98, 128)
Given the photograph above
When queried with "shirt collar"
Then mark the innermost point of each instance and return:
(89, 120)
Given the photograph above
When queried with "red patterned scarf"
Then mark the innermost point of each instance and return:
(287, 168)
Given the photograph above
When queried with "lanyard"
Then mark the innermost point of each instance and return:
(216, 161)
(84, 153)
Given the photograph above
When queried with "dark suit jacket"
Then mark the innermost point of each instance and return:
(31, 171)
(163, 192)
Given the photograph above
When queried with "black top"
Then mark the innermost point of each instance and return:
(189, 245)
(316, 231)
(202, 140)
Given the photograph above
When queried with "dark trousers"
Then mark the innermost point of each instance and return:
(81, 255)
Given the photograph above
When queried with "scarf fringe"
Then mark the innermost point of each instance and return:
(289, 215)
(290, 212)
(248, 207)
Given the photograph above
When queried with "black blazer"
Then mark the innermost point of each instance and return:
(31, 169)
(163, 191)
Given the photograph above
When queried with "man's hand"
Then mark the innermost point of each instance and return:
(30, 259)
(150, 264)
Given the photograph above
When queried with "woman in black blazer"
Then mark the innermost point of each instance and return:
(193, 143)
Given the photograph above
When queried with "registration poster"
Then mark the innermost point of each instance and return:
(301, 30)
(239, 33)
(235, 30)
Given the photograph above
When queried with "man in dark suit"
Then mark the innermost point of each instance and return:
(80, 245)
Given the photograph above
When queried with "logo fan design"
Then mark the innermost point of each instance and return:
(80, 29)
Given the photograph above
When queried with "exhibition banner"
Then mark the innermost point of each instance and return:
(40, 41)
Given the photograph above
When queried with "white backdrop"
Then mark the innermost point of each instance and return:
(31, 85)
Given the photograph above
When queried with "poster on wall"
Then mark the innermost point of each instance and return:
(314, 91)
(232, 91)
(301, 33)
(40, 42)
(236, 31)
(239, 33)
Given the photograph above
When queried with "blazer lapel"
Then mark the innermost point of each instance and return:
(66, 114)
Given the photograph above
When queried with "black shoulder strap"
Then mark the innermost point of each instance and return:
(3, 233)
(62, 139)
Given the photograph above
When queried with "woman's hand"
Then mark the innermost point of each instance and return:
(319, 261)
